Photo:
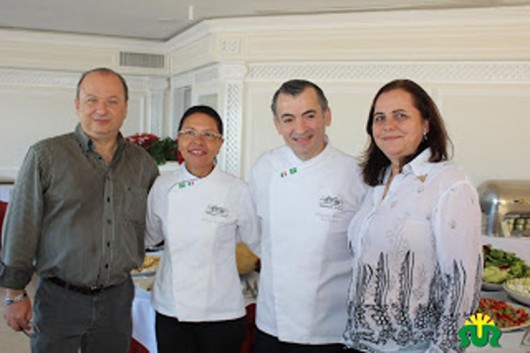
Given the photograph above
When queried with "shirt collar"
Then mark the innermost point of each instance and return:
(82, 138)
(419, 166)
(87, 144)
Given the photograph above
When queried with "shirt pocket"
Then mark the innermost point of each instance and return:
(135, 203)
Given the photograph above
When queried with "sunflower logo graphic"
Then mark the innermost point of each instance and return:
(480, 330)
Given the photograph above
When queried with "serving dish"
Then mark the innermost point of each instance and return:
(518, 289)
(487, 286)
(501, 311)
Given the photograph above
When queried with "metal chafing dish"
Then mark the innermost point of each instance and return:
(505, 207)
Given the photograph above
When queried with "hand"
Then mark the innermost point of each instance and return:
(18, 315)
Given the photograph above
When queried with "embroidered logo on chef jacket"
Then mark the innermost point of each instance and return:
(331, 209)
(217, 211)
(288, 172)
(332, 202)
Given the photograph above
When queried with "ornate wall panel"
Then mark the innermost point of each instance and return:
(224, 84)
(370, 72)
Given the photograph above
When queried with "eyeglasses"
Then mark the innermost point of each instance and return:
(206, 135)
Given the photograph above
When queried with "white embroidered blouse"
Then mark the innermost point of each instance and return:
(416, 261)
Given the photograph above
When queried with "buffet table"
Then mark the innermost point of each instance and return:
(519, 246)
(144, 314)
(510, 341)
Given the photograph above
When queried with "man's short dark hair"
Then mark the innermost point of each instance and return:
(294, 88)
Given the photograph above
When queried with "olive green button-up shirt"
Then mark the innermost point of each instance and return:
(74, 217)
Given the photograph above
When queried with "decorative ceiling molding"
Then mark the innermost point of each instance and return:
(363, 71)
(20, 77)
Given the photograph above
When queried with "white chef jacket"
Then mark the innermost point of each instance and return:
(417, 260)
(200, 220)
(305, 208)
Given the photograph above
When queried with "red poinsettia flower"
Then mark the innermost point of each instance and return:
(162, 150)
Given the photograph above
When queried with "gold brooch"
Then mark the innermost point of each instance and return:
(422, 177)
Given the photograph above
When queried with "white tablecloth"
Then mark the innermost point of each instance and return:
(144, 319)
(5, 192)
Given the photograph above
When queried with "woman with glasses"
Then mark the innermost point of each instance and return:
(200, 212)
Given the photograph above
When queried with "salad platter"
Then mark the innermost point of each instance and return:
(508, 317)
(501, 266)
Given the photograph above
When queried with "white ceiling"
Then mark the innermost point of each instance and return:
(159, 20)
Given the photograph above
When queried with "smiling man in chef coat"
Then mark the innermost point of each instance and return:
(306, 193)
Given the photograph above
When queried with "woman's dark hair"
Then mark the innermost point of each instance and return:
(375, 162)
(203, 109)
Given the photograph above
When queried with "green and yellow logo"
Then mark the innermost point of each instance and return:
(479, 330)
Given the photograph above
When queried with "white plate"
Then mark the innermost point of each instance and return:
(511, 287)
(515, 328)
(491, 286)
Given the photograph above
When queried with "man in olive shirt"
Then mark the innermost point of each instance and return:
(77, 219)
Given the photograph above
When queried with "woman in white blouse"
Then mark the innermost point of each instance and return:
(200, 212)
(416, 239)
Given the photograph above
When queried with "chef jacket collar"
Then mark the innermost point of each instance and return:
(295, 161)
(187, 177)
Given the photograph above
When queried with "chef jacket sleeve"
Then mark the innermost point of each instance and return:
(154, 222)
(248, 223)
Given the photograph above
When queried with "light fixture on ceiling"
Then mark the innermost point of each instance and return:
(191, 16)
(191, 10)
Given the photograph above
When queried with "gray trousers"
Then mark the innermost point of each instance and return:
(69, 322)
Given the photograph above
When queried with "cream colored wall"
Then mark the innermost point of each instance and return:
(29, 114)
(474, 62)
